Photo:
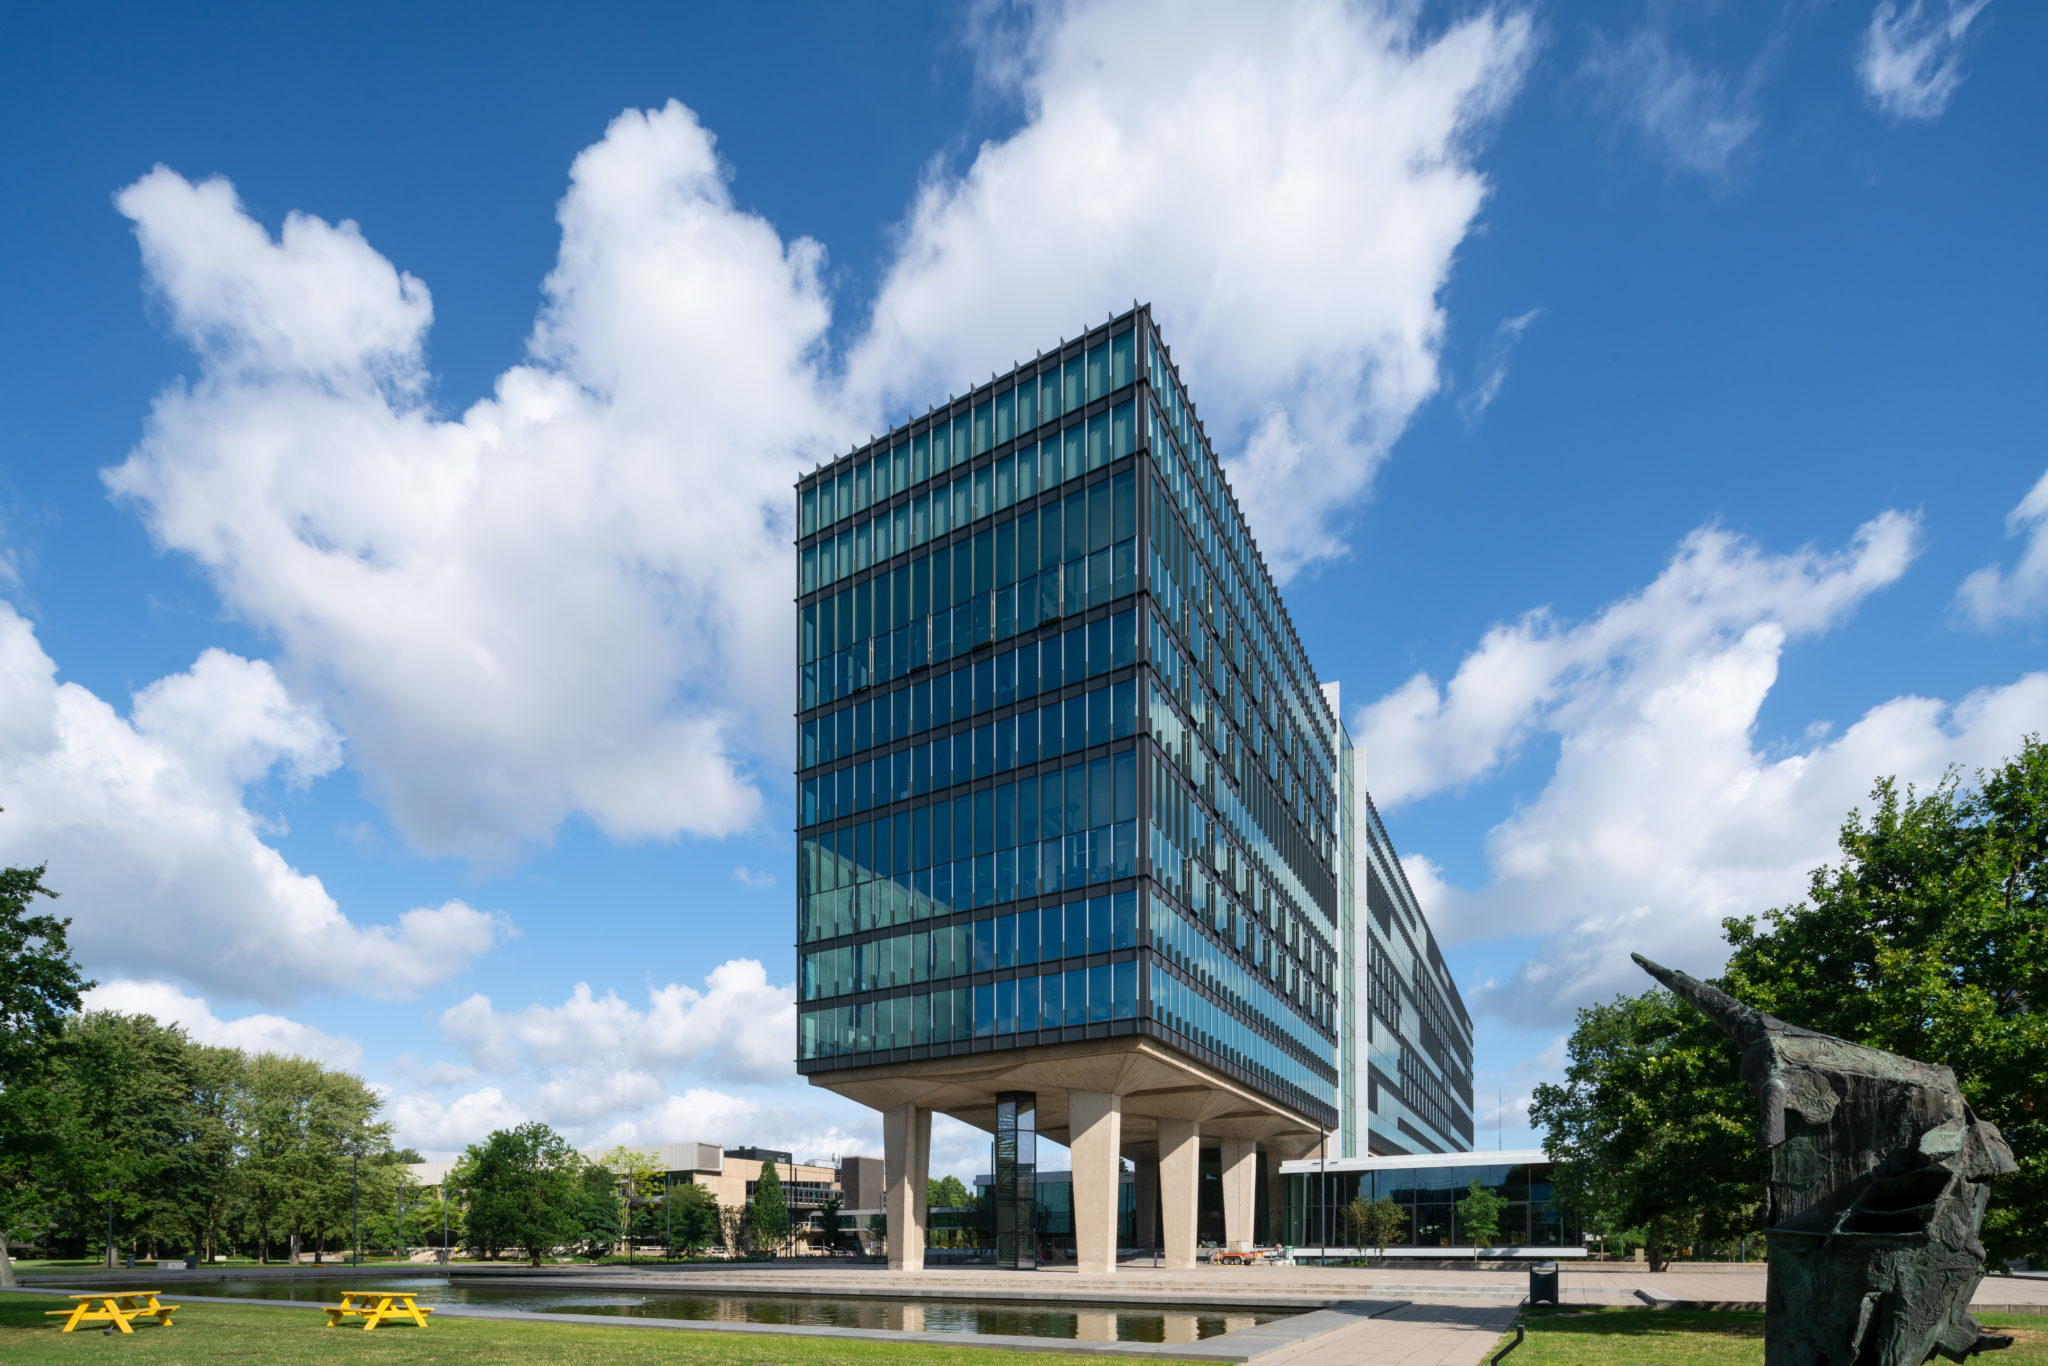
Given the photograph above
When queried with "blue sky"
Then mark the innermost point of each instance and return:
(1644, 400)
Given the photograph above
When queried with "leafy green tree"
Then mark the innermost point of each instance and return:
(524, 1185)
(122, 1087)
(1930, 939)
(40, 987)
(308, 1133)
(770, 1214)
(599, 1209)
(1375, 1223)
(1652, 1125)
(207, 1166)
(640, 1181)
(39, 983)
(947, 1192)
(1479, 1215)
(276, 1147)
(693, 1217)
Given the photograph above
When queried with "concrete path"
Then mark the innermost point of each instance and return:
(1413, 1335)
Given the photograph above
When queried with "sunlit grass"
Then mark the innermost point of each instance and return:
(1683, 1337)
(298, 1333)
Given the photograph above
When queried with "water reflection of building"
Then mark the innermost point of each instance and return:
(1427, 1188)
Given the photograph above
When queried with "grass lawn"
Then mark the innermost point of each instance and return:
(211, 1332)
(1683, 1337)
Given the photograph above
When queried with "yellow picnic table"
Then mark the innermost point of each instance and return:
(375, 1306)
(117, 1309)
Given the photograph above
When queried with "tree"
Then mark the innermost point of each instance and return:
(121, 1087)
(693, 1217)
(1479, 1216)
(523, 1188)
(640, 1180)
(829, 1222)
(599, 1209)
(736, 1228)
(771, 1209)
(948, 1192)
(1375, 1223)
(307, 1134)
(39, 987)
(1652, 1125)
(1930, 939)
(39, 984)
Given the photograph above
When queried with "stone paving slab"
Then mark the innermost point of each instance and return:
(1413, 1335)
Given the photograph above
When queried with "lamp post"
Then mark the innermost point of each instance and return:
(110, 1226)
(355, 1201)
(444, 1219)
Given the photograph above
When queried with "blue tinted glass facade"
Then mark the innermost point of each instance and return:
(1407, 1037)
(1064, 771)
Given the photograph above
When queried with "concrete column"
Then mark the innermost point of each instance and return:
(1148, 1202)
(1095, 1126)
(1180, 1180)
(1240, 1190)
(906, 1143)
(1276, 1199)
(921, 1188)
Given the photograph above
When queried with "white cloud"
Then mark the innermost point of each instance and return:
(1287, 184)
(740, 1027)
(1492, 374)
(435, 1076)
(713, 1065)
(163, 865)
(1539, 674)
(573, 598)
(1910, 60)
(442, 1130)
(812, 1124)
(753, 877)
(1662, 814)
(1992, 597)
(1693, 117)
(255, 1033)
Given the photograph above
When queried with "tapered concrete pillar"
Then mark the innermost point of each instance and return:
(1276, 1198)
(906, 1162)
(1180, 1180)
(1095, 1126)
(921, 1187)
(1147, 1228)
(1240, 1190)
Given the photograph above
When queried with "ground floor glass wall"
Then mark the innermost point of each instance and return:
(1428, 1195)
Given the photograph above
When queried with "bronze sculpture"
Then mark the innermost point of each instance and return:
(1880, 1174)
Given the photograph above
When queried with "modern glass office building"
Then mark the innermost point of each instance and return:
(1407, 1041)
(1070, 798)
